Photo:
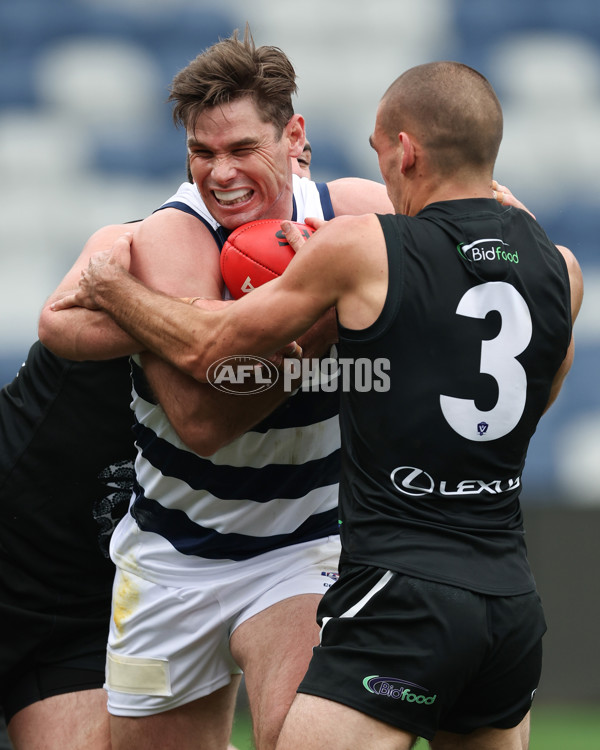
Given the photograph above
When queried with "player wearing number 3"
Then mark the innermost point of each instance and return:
(434, 628)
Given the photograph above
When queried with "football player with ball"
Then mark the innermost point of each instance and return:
(232, 534)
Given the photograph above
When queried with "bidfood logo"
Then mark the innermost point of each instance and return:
(487, 249)
(242, 374)
(398, 690)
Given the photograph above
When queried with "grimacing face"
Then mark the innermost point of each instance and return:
(240, 166)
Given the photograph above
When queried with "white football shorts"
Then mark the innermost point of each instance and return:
(169, 645)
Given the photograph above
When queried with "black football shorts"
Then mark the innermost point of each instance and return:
(424, 656)
(52, 643)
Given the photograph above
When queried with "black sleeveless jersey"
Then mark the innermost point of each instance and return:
(474, 328)
(66, 469)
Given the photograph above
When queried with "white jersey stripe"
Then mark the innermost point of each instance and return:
(256, 450)
(272, 487)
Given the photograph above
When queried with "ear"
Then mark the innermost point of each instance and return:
(295, 131)
(408, 152)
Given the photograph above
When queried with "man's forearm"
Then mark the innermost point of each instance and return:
(162, 324)
(81, 334)
(205, 418)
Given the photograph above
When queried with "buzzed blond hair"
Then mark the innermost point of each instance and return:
(451, 109)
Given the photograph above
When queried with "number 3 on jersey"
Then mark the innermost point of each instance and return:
(498, 360)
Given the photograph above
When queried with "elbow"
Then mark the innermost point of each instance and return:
(199, 370)
(204, 438)
(193, 364)
(51, 336)
(197, 359)
(205, 346)
(45, 329)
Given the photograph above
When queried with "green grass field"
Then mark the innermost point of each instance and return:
(565, 728)
(552, 728)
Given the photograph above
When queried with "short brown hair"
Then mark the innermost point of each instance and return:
(232, 69)
(452, 109)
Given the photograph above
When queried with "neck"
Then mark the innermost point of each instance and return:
(283, 207)
(449, 190)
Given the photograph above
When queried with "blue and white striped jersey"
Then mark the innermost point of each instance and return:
(274, 486)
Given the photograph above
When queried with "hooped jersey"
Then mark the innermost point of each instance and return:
(274, 486)
(474, 328)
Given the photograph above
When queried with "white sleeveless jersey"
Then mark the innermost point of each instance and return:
(274, 486)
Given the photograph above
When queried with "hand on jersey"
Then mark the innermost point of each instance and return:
(102, 268)
(504, 196)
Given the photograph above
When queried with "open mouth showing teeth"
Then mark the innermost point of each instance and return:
(232, 197)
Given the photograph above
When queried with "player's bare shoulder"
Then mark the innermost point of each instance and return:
(358, 246)
(360, 272)
(354, 195)
(174, 252)
(350, 229)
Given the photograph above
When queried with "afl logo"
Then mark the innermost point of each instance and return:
(242, 374)
(411, 481)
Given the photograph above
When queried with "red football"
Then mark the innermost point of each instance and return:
(254, 253)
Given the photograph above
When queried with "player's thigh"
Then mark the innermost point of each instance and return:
(516, 738)
(273, 648)
(202, 724)
(276, 630)
(315, 723)
(68, 721)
